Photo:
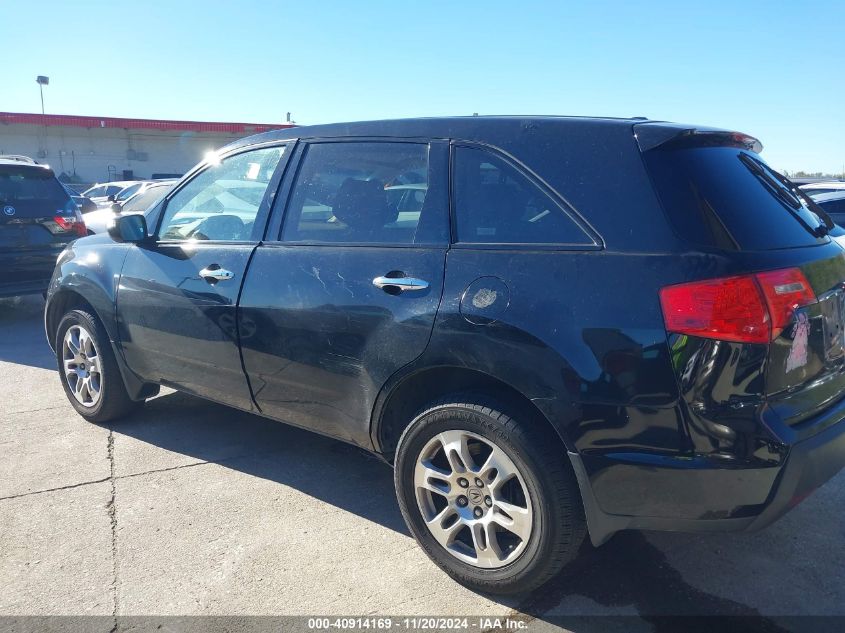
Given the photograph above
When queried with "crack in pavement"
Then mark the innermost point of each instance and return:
(140, 474)
(68, 487)
(10, 413)
(112, 511)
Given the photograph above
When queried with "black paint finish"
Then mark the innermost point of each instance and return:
(663, 431)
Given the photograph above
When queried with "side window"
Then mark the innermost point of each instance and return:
(360, 192)
(834, 206)
(495, 203)
(127, 193)
(221, 202)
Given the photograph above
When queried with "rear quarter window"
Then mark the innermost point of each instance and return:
(728, 198)
(496, 203)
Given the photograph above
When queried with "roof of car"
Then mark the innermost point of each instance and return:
(829, 197)
(22, 163)
(825, 184)
(115, 183)
(466, 127)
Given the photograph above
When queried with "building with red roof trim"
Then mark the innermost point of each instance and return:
(89, 149)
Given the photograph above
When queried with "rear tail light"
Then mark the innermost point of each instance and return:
(71, 222)
(747, 309)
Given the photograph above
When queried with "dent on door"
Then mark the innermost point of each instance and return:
(321, 332)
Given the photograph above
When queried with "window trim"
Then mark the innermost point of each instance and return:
(264, 208)
(281, 206)
(576, 218)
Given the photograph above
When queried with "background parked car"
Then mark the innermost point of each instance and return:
(100, 193)
(833, 204)
(37, 220)
(97, 221)
(84, 203)
(819, 188)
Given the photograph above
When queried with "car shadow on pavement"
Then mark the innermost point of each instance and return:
(627, 574)
(349, 477)
(22, 339)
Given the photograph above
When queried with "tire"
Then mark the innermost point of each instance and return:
(105, 398)
(547, 526)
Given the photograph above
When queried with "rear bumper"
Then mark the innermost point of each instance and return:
(810, 464)
(27, 288)
(27, 272)
(697, 495)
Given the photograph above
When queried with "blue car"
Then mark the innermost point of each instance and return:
(38, 219)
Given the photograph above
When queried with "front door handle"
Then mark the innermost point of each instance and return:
(402, 283)
(215, 273)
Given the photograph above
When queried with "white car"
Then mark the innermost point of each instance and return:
(818, 188)
(97, 221)
(101, 192)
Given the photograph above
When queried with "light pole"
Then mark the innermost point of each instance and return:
(42, 81)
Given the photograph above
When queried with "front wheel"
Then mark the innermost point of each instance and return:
(88, 369)
(491, 498)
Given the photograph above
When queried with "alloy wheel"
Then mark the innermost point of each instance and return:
(473, 499)
(81, 361)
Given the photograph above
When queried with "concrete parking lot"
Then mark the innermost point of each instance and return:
(190, 508)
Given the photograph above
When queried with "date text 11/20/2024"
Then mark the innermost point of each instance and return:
(420, 623)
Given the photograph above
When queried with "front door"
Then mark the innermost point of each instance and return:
(177, 298)
(349, 293)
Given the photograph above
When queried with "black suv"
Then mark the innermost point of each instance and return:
(550, 326)
(37, 220)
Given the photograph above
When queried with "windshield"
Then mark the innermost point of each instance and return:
(728, 198)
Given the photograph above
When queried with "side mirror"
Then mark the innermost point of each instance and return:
(115, 207)
(112, 197)
(128, 228)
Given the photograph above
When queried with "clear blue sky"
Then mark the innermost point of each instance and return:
(772, 68)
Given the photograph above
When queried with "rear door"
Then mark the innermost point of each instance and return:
(178, 294)
(347, 292)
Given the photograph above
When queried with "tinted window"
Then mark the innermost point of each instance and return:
(728, 198)
(222, 201)
(95, 192)
(144, 201)
(130, 191)
(31, 189)
(360, 192)
(496, 203)
(833, 206)
(112, 190)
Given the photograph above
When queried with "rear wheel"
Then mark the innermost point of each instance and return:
(491, 498)
(88, 369)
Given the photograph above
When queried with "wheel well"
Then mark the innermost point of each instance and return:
(60, 304)
(416, 391)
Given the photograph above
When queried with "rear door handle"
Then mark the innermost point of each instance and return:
(402, 283)
(215, 273)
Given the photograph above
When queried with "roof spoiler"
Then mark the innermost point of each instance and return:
(675, 136)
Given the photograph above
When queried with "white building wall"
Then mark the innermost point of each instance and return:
(100, 154)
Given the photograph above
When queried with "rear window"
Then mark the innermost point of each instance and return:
(22, 186)
(728, 198)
